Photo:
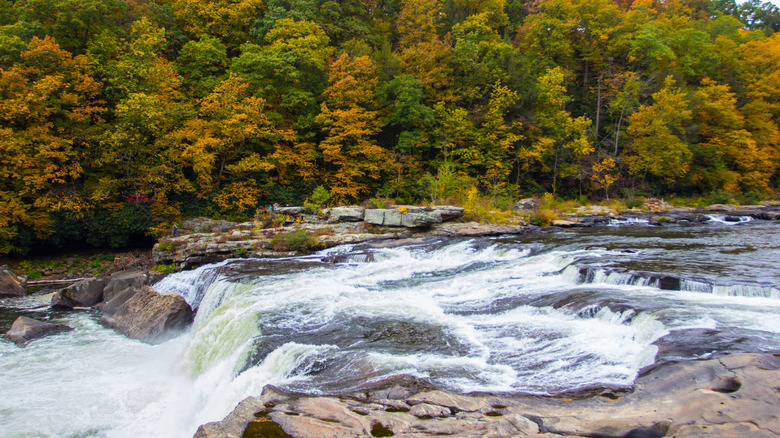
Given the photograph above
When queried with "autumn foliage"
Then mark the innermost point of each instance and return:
(133, 112)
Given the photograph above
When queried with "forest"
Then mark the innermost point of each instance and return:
(118, 117)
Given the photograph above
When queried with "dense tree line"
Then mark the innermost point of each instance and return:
(134, 112)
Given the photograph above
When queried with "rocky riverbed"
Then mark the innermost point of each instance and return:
(727, 395)
(730, 396)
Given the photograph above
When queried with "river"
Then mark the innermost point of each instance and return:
(543, 313)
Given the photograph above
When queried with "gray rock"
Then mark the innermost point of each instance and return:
(11, 285)
(147, 315)
(345, 214)
(449, 212)
(206, 225)
(293, 211)
(119, 281)
(527, 205)
(420, 220)
(25, 330)
(393, 218)
(375, 216)
(85, 293)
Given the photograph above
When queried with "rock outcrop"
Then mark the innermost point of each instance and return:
(85, 293)
(11, 285)
(145, 314)
(526, 206)
(120, 281)
(25, 330)
(734, 396)
(394, 217)
(344, 214)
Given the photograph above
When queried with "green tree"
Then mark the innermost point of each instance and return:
(656, 132)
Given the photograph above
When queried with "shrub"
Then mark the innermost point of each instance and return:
(541, 219)
(298, 241)
(162, 268)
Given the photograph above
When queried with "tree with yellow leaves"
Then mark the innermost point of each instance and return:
(228, 143)
(656, 130)
(350, 121)
(46, 102)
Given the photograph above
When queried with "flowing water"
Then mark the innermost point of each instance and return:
(541, 313)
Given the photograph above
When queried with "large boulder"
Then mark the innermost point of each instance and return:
(292, 211)
(420, 220)
(345, 214)
(25, 330)
(119, 281)
(85, 293)
(527, 205)
(449, 212)
(395, 218)
(147, 315)
(11, 285)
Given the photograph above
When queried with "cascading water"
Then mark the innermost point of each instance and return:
(543, 313)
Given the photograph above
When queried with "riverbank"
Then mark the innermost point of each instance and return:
(290, 231)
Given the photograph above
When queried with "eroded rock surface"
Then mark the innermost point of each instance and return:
(734, 396)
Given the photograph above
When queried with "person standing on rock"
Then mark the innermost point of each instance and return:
(175, 229)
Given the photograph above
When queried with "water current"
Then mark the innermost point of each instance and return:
(543, 313)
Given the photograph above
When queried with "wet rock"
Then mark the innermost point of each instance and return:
(85, 293)
(25, 330)
(11, 285)
(720, 207)
(120, 281)
(146, 314)
(526, 206)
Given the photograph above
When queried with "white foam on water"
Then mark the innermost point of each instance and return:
(721, 219)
